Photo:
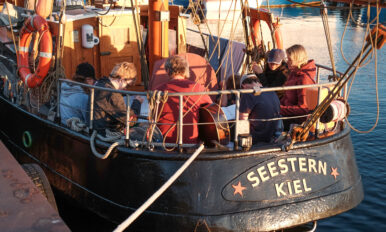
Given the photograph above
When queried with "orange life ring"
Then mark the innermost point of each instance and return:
(258, 15)
(277, 35)
(35, 24)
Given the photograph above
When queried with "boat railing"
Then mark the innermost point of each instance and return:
(237, 122)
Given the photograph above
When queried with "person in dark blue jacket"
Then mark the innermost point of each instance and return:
(260, 110)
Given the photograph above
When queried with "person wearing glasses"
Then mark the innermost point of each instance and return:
(110, 108)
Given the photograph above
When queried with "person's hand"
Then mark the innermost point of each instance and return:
(256, 68)
(139, 98)
(253, 85)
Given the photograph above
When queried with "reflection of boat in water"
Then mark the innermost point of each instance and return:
(365, 14)
(213, 8)
(263, 3)
(285, 3)
(373, 15)
(229, 187)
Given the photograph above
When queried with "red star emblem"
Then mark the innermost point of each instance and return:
(334, 172)
(238, 189)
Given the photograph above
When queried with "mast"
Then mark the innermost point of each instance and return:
(158, 31)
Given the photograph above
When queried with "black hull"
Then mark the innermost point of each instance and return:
(208, 194)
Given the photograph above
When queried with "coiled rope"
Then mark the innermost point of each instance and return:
(109, 150)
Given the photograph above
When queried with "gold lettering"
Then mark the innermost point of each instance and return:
(302, 164)
(252, 178)
(289, 187)
(263, 173)
(283, 166)
(279, 190)
(312, 165)
(297, 186)
(322, 167)
(292, 160)
(272, 169)
(306, 189)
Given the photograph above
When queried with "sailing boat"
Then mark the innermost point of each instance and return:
(230, 186)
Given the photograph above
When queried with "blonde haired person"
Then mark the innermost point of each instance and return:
(302, 72)
(297, 55)
(123, 74)
(110, 108)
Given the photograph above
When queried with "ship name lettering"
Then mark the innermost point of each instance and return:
(291, 187)
(283, 166)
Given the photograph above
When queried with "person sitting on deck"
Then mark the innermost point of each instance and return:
(275, 70)
(302, 72)
(259, 110)
(74, 98)
(178, 71)
(110, 108)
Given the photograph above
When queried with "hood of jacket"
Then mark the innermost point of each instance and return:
(307, 70)
(68, 89)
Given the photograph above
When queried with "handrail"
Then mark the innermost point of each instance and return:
(327, 68)
(180, 123)
(217, 92)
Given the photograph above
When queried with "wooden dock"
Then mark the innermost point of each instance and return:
(22, 206)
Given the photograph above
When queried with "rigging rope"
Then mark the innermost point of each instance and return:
(13, 35)
(323, 12)
(376, 72)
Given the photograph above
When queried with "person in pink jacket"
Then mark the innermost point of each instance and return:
(302, 72)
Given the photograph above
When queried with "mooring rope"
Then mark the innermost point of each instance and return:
(159, 192)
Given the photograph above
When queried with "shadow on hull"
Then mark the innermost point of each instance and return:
(260, 190)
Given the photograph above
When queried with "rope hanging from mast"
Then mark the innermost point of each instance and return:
(323, 13)
(378, 39)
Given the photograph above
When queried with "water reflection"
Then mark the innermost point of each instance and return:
(305, 26)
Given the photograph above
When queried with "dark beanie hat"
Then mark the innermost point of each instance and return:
(86, 70)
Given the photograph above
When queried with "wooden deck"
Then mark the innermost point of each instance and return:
(22, 206)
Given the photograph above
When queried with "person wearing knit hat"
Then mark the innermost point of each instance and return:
(85, 73)
(74, 99)
(275, 70)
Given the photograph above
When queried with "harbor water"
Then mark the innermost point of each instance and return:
(304, 26)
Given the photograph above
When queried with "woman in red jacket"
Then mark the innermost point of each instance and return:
(302, 72)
